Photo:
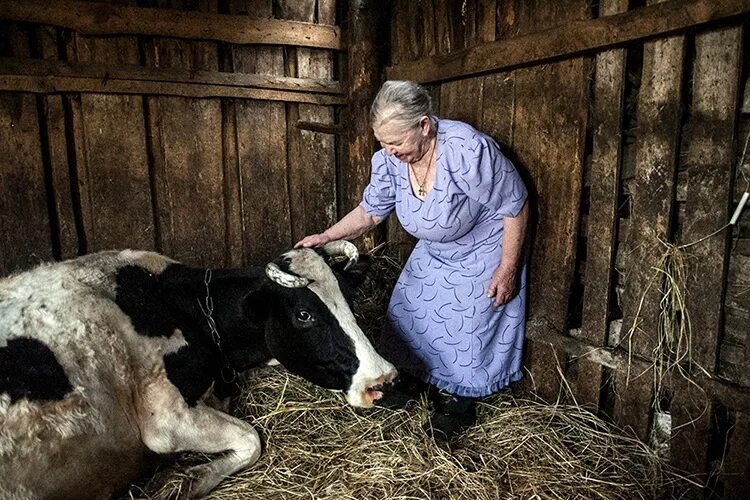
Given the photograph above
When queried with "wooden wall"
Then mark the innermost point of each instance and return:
(200, 128)
(626, 124)
(207, 130)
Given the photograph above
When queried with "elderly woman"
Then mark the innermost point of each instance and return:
(456, 316)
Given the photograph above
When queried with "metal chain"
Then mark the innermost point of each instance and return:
(207, 308)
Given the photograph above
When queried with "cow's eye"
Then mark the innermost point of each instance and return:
(304, 316)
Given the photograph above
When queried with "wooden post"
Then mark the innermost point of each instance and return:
(364, 75)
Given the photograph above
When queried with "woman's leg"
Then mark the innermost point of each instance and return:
(453, 415)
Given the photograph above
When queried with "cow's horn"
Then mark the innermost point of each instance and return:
(342, 247)
(285, 279)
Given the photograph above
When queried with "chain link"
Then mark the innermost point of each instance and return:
(207, 308)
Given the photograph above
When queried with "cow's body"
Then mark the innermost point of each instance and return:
(110, 355)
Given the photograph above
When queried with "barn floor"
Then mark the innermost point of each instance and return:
(315, 446)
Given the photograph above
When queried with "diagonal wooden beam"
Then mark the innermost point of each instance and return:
(572, 39)
(97, 18)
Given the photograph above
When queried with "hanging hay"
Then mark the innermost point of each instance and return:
(316, 446)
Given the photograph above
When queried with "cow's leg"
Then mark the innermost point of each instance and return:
(176, 428)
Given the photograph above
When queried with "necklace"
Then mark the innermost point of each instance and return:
(421, 191)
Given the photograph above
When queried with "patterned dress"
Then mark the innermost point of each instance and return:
(442, 326)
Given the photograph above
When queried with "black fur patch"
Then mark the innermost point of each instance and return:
(30, 370)
(139, 297)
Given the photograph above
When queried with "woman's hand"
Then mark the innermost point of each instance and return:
(313, 240)
(502, 286)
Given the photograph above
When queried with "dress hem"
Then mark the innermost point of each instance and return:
(467, 391)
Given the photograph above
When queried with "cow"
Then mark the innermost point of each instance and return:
(110, 355)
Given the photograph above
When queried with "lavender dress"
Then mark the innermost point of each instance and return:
(442, 326)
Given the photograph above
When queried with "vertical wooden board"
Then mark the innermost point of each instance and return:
(24, 222)
(634, 394)
(736, 465)
(312, 160)
(462, 100)
(261, 149)
(54, 115)
(543, 368)
(584, 377)
(399, 43)
(416, 39)
(691, 426)
(366, 53)
(710, 171)
(604, 174)
(427, 18)
(549, 145)
(443, 27)
(187, 141)
(549, 127)
(486, 20)
(111, 160)
(498, 100)
(656, 148)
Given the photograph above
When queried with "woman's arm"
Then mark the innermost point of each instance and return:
(504, 279)
(354, 224)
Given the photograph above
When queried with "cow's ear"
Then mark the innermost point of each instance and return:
(357, 272)
(255, 306)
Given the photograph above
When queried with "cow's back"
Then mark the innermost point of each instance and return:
(68, 413)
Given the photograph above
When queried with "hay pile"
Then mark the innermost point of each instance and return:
(315, 446)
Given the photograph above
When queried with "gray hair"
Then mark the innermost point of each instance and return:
(401, 102)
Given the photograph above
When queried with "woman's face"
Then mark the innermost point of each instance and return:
(406, 145)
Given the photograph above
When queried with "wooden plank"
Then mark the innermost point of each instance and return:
(691, 412)
(736, 465)
(656, 149)
(710, 162)
(187, 141)
(486, 20)
(365, 42)
(462, 100)
(312, 158)
(110, 154)
(584, 377)
(604, 174)
(62, 212)
(570, 39)
(24, 223)
(98, 18)
(634, 394)
(53, 84)
(108, 73)
(728, 394)
(544, 368)
(261, 146)
(498, 92)
(550, 147)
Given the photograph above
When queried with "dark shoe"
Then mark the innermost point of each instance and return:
(405, 390)
(453, 415)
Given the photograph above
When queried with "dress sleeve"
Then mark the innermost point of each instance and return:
(379, 198)
(488, 177)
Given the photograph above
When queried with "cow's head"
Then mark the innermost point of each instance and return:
(311, 329)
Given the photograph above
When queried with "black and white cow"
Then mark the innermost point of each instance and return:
(109, 355)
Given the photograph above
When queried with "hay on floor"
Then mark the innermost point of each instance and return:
(317, 447)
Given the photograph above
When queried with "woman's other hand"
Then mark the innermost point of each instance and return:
(502, 286)
(313, 240)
